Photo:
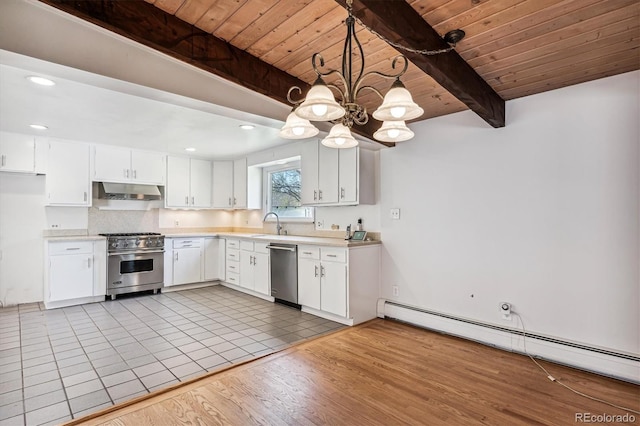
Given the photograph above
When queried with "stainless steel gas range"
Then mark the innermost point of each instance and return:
(135, 262)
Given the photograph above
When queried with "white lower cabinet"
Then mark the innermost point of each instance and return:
(76, 272)
(214, 254)
(187, 260)
(254, 266)
(339, 283)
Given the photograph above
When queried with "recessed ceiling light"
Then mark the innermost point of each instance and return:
(41, 80)
(190, 149)
(38, 126)
(247, 126)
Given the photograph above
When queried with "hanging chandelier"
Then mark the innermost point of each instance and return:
(321, 105)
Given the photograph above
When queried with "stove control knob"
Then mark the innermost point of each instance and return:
(126, 243)
(137, 242)
(114, 244)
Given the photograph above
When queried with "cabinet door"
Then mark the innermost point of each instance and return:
(309, 283)
(211, 259)
(348, 174)
(147, 167)
(186, 265)
(111, 164)
(70, 277)
(327, 175)
(177, 189)
(67, 181)
(240, 184)
(333, 288)
(309, 172)
(223, 184)
(261, 273)
(17, 152)
(200, 183)
(247, 272)
(168, 264)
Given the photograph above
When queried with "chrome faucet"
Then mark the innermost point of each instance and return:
(278, 227)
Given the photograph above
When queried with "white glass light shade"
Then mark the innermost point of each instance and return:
(320, 104)
(393, 131)
(340, 137)
(398, 105)
(297, 128)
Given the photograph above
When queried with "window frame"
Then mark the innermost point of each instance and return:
(266, 190)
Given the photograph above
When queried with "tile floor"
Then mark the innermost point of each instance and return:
(60, 364)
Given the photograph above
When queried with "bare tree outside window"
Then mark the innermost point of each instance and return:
(285, 187)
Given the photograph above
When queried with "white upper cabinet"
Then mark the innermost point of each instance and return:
(116, 164)
(230, 184)
(17, 153)
(240, 184)
(188, 183)
(337, 176)
(223, 184)
(319, 173)
(67, 181)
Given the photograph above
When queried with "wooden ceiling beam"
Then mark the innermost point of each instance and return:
(397, 21)
(147, 24)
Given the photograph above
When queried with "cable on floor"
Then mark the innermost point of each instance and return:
(553, 379)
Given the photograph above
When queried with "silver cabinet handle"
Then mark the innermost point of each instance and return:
(316, 271)
(331, 255)
(4, 160)
(229, 201)
(187, 242)
(73, 248)
(232, 267)
(315, 195)
(176, 256)
(186, 200)
(186, 245)
(85, 195)
(321, 271)
(125, 172)
(89, 263)
(135, 174)
(342, 193)
(193, 201)
(307, 252)
(235, 201)
(320, 194)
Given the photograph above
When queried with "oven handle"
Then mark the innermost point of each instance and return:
(136, 252)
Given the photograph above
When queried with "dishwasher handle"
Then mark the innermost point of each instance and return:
(281, 248)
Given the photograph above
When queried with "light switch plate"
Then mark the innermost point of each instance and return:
(395, 214)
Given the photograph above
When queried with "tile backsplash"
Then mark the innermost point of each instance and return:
(109, 221)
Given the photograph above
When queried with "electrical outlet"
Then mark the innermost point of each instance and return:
(176, 223)
(396, 291)
(395, 214)
(319, 224)
(505, 309)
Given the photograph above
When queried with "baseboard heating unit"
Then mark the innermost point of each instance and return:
(619, 365)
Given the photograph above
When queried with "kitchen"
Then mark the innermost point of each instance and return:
(486, 198)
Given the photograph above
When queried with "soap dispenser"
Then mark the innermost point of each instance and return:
(348, 234)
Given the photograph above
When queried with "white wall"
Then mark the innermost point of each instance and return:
(543, 213)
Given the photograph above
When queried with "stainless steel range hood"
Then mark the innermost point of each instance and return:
(127, 191)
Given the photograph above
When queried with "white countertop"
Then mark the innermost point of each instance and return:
(76, 238)
(290, 239)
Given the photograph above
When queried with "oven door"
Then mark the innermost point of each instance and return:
(135, 271)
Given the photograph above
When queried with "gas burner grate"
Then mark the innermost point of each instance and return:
(130, 234)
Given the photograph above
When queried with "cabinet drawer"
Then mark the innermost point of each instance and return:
(233, 244)
(233, 278)
(305, 252)
(246, 245)
(261, 247)
(233, 255)
(70, 247)
(233, 267)
(333, 255)
(186, 242)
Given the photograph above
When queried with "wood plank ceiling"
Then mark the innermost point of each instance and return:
(519, 47)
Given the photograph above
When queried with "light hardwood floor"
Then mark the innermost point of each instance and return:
(380, 373)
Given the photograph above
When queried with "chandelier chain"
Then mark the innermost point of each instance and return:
(425, 52)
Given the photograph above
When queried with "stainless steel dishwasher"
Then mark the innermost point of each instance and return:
(284, 273)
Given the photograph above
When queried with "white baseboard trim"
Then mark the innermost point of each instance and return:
(327, 315)
(188, 286)
(608, 363)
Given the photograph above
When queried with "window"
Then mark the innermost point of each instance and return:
(283, 191)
